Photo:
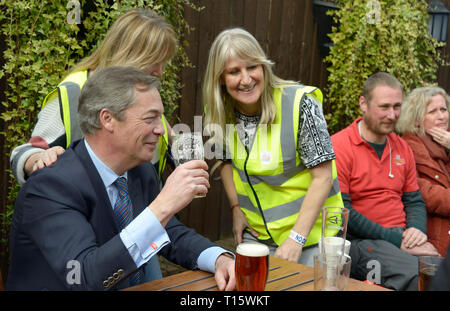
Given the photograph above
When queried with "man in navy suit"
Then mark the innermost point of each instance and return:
(64, 234)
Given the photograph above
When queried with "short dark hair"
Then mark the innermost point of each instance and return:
(377, 79)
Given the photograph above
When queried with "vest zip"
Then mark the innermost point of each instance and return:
(254, 193)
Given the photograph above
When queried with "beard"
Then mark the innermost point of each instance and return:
(379, 127)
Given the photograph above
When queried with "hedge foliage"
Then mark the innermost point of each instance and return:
(377, 35)
(43, 41)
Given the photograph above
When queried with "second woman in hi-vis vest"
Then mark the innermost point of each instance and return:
(278, 169)
(139, 38)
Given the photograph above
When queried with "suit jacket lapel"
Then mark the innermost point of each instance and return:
(103, 203)
(135, 190)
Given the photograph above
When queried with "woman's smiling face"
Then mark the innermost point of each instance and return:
(244, 82)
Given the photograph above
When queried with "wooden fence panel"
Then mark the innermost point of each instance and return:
(444, 71)
(287, 31)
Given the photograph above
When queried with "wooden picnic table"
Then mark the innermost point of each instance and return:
(283, 276)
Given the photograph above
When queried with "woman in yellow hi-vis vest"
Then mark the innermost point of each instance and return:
(278, 169)
(139, 38)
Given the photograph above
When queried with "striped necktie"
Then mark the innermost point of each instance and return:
(123, 213)
(123, 209)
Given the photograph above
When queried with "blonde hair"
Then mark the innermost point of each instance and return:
(414, 108)
(139, 38)
(218, 104)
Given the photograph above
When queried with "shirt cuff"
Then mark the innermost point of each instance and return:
(144, 237)
(19, 169)
(207, 259)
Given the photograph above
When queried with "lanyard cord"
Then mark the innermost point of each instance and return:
(390, 150)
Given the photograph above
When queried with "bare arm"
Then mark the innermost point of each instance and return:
(239, 219)
(188, 180)
(318, 191)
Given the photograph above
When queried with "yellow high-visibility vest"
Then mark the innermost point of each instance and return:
(270, 179)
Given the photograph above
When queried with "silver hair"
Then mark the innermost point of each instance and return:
(114, 89)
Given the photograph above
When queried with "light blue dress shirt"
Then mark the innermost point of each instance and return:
(145, 236)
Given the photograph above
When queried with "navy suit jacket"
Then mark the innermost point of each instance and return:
(63, 213)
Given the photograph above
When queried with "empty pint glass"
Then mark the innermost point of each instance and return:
(333, 241)
(334, 231)
(251, 266)
(187, 147)
(331, 277)
(428, 265)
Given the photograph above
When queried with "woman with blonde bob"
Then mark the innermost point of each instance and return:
(278, 158)
(423, 124)
(139, 38)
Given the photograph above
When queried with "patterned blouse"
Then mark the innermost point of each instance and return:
(314, 144)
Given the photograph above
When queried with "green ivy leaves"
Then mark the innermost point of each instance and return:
(41, 46)
(377, 35)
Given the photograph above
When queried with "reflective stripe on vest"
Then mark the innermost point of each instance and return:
(68, 93)
(163, 143)
(274, 172)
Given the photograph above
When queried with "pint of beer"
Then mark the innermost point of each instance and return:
(428, 265)
(252, 266)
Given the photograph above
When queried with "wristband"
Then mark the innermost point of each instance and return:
(300, 239)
